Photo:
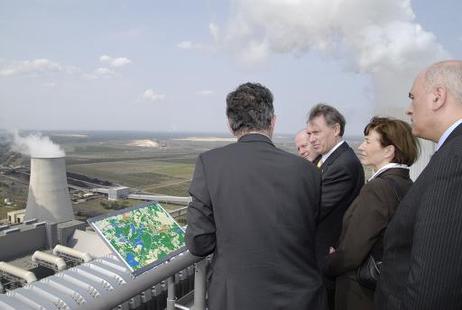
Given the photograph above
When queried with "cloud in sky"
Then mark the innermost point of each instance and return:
(115, 62)
(151, 95)
(104, 72)
(26, 67)
(45, 66)
(382, 33)
(380, 38)
(99, 73)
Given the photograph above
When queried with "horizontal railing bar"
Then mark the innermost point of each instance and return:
(113, 298)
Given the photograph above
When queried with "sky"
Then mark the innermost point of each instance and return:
(168, 65)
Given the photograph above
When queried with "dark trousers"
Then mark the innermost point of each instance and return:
(331, 298)
(350, 295)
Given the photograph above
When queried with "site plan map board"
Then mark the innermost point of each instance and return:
(142, 237)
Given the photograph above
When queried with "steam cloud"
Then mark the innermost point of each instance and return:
(380, 38)
(36, 145)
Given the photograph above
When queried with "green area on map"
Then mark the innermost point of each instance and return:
(142, 236)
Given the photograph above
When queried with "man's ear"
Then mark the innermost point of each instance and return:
(337, 129)
(439, 97)
(229, 127)
(273, 122)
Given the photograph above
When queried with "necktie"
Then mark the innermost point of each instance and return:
(319, 164)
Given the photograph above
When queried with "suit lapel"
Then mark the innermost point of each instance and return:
(439, 155)
(455, 133)
(331, 159)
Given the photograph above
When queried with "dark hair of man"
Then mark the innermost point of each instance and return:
(249, 108)
(397, 133)
(331, 115)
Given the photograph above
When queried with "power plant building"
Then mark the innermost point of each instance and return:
(48, 198)
(50, 261)
(116, 193)
(16, 216)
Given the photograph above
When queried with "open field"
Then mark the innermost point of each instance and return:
(142, 174)
(163, 167)
(15, 190)
(160, 174)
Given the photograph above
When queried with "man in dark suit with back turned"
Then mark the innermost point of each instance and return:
(422, 263)
(342, 179)
(255, 207)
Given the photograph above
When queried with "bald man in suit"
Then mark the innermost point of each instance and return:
(422, 264)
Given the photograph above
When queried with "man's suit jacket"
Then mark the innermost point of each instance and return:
(342, 179)
(255, 207)
(422, 266)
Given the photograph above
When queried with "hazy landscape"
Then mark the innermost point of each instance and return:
(147, 162)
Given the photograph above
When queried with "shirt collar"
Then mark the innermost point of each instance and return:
(325, 156)
(386, 167)
(255, 136)
(447, 133)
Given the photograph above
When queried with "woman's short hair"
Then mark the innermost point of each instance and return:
(397, 133)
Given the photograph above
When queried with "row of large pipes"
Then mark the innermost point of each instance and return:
(106, 283)
(53, 261)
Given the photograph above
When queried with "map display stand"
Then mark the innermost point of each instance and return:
(142, 237)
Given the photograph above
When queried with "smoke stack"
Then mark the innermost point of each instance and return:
(48, 198)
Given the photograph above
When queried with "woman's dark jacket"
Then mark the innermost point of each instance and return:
(365, 221)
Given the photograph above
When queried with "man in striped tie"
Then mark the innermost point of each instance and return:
(342, 178)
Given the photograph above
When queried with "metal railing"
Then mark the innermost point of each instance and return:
(162, 198)
(118, 289)
(199, 289)
(151, 278)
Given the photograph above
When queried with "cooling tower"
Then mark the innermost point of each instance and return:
(48, 198)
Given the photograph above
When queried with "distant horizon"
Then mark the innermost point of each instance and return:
(64, 132)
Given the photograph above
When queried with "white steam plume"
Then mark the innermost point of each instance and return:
(36, 145)
(377, 37)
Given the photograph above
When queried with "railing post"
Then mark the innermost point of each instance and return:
(200, 285)
(171, 293)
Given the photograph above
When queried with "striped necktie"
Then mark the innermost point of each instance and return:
(319, 164)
